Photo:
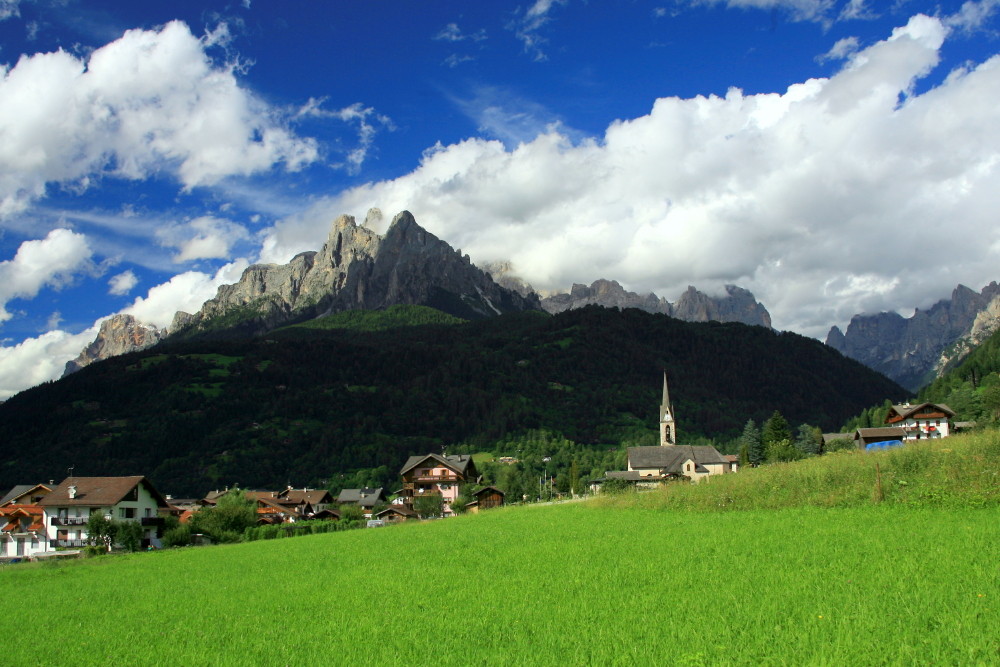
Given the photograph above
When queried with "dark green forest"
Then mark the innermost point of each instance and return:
(327, 406)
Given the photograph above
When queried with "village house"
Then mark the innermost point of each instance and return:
(26, 494)
(921, 421)
(436, 475)
(907, 423)
(71, 504)
(272, 506)
(486, 498)
(365, 498)
(395, 514)
(878, 437)
(22, 531)
(309, 501)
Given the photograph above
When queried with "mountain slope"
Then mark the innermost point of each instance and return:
(303, 404)
(912, 350)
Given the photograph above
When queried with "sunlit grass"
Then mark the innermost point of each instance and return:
(960, 471)
(829, 578)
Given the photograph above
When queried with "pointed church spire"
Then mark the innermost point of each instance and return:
(668, 428)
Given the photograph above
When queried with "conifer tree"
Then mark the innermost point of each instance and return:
(775, 430)
(751, 442)
(809, 439)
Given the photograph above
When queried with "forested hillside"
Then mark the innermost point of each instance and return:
(306, 405)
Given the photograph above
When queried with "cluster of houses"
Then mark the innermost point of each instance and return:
(37, 521)
(904, 423)
(44, 520)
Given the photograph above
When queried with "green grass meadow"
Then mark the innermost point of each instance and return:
(642, 579)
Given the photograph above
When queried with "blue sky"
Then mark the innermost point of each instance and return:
(832, 156)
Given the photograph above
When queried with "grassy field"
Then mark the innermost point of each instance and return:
(640, 579)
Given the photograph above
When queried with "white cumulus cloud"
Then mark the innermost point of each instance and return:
(41, 359)
(52, 262)
(839, 194)
(151, 101)
(185, 292)
(205, 237)
(122, 283)
(38, 360)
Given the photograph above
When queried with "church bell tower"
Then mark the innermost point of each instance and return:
(668, 428)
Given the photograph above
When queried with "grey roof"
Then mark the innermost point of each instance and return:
(15, 492)
(457, 462)
(880, 432)
(907, 409)
(365, 497)
(672, 457)
(627, 475)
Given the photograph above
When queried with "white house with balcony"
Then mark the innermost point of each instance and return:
(71, 504)
(921, 421)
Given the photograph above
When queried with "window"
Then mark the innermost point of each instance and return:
(126, 512)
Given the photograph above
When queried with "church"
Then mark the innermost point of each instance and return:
(670, 460)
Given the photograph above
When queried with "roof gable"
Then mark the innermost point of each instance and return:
(18, 492)
(99, 491)
(907, 411)
(458, 463)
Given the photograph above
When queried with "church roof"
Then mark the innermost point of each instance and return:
(665, 405)
(673, 457)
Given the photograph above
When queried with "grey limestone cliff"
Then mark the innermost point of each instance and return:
(355, 269)
(912, 351)
(119, 334)
(737, 305)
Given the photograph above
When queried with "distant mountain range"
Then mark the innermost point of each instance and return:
(357, 269)
(737, 305)
(915, 350)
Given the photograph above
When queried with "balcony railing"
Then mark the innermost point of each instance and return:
(152, 521)
(67, 543)
(69, 521)
(435, 478)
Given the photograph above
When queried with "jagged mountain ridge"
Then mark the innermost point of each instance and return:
(737, 305)
(912, 351)
(355, 269)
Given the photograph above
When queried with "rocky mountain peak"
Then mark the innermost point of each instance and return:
(913, 350)
(359, 269)
(119, 334)
(737, 305)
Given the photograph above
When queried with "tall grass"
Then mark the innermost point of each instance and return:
(961, 471)
(820, 581)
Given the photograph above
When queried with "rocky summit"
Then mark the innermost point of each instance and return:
(355, 269)
(737, 305)
(119, 334)
(912, 351)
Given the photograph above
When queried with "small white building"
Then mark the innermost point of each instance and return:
(72, 503)
(921, 421)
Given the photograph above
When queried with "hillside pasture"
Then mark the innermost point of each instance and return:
(570, 584)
